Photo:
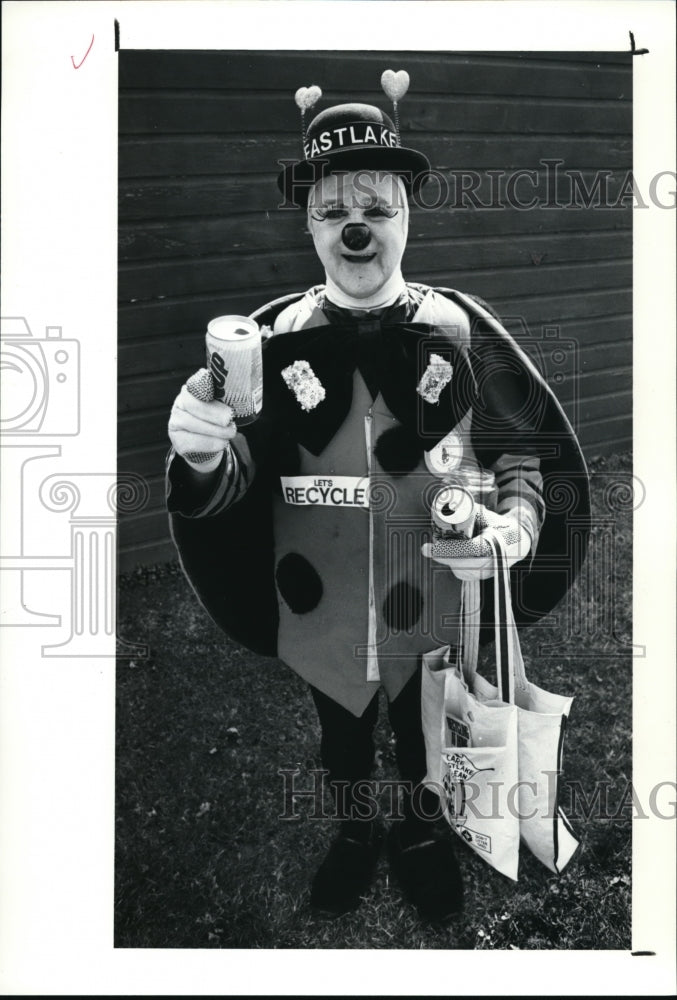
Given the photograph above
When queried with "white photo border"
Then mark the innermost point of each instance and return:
(59, 160)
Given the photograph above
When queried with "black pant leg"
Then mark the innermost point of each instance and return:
(404, 713)
(420, 804)
(346, 749)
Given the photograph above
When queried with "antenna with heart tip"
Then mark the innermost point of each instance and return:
(395, 86)
(306, 98)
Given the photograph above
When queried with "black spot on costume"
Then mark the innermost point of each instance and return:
(403, 606)
(299, 584)
(398, 450)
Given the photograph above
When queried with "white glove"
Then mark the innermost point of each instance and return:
(200, 427)
(471, 558)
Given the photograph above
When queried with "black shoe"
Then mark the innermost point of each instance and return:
(427, 871)
(346, 873)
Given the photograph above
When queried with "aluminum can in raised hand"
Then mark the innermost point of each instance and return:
(234, 359)
(453, 513)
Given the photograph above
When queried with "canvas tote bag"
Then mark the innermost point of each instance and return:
(472, 757)
(531, 801)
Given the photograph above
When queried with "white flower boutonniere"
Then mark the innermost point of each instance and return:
(305, 385)
(435, 377)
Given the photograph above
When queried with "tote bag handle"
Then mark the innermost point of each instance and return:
(470, 629)
(510, 672)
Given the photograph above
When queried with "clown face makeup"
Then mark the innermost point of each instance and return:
(359, 223)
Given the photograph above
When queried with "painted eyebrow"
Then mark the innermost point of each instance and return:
(374, 203)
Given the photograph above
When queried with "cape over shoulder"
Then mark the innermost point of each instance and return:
(289, 312)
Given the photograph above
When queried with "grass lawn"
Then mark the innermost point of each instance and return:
(203, 727)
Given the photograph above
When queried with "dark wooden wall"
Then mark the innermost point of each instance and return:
(201, 233)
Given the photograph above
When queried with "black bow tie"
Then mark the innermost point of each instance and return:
(368, 324)
(399, 312)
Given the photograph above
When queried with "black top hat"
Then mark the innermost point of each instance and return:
(351, 137)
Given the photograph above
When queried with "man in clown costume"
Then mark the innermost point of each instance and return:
(306, 534)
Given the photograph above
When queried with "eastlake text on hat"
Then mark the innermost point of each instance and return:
(357, 134)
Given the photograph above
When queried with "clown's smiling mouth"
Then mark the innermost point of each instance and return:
(354, 258)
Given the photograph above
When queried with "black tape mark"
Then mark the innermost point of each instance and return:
(633, 50)
(117, 35)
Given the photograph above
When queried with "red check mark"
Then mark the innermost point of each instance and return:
(84, 57)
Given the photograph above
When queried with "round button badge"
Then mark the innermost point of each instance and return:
(446, 455)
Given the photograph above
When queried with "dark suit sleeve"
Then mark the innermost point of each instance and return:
(507, 420)
(199, 494)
